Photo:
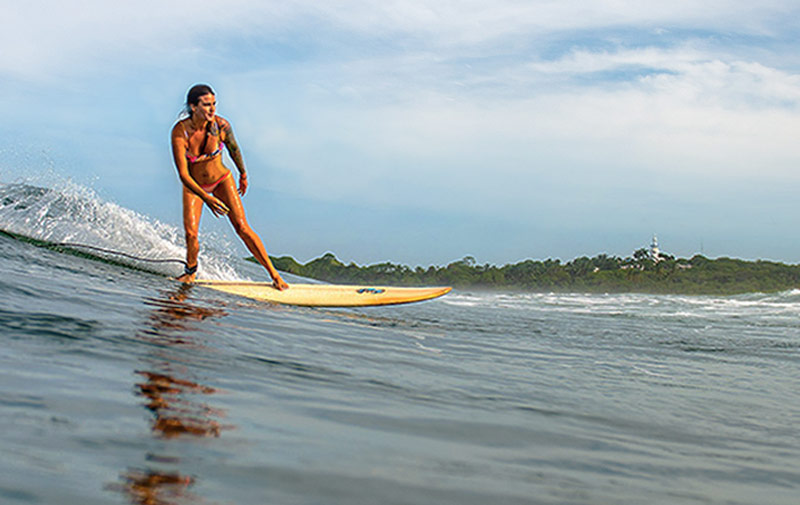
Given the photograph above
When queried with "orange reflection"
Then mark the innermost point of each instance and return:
(170, 397)
(175, 415)
(173, 315)
(149, 487)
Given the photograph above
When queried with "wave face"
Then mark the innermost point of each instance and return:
(75, 214)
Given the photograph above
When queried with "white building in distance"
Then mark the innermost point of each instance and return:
(654, 251)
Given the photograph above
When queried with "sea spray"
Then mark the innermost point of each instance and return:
(76, 214)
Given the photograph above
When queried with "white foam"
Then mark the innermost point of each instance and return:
(775, 308)
(76, 214)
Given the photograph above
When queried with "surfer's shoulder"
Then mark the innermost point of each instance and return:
(179, 128)
(223, 123)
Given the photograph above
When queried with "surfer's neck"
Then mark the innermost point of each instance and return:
(198, 123)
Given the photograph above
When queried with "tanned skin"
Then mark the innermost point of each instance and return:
(203, 129)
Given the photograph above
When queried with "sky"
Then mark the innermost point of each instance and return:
(423, 131)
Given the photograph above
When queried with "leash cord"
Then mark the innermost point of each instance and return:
(119, 253)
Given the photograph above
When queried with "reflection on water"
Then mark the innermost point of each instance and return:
(174, 414)
(172, 317)
(171, 397)
(149, 487)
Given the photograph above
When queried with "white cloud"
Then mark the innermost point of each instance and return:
(374, 129)
(42, 38)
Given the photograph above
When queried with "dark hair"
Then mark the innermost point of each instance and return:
(194, 94)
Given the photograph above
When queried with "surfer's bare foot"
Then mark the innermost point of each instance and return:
(188, 274)
(279, 284)
(186, 278)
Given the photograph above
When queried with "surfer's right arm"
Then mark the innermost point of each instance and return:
(179, 147)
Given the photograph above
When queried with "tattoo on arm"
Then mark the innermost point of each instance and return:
(233, 148)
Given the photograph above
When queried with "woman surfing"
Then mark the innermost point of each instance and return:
(197, 143)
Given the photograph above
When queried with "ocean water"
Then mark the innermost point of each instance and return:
(117, 385)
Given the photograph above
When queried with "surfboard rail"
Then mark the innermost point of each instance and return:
(327, 295)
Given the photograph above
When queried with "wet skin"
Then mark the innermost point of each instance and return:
(202, 131)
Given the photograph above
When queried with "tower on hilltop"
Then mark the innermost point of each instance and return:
(654, 252)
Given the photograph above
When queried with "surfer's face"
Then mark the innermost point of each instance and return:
(206, 107)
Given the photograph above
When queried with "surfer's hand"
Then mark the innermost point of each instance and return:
(217, 206)
(243, 183)
(279, 283)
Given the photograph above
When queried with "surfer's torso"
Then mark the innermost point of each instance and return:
(204, 150)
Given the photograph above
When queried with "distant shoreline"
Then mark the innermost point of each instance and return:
(601, 274)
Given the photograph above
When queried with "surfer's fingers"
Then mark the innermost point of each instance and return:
(221, 204)
(218, 207)
(219, 210)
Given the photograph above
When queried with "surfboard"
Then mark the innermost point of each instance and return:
(326, 295)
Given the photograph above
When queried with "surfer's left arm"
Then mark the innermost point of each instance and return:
(236, 154)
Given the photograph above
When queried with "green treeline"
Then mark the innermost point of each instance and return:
(601, 274)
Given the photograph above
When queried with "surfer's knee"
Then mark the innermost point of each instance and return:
(241, 227)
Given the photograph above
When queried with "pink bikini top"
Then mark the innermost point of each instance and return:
(205, 156)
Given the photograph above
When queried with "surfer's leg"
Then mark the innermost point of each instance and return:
(227, 192)
(192, 210)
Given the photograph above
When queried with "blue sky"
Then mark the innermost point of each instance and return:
(420, 131)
